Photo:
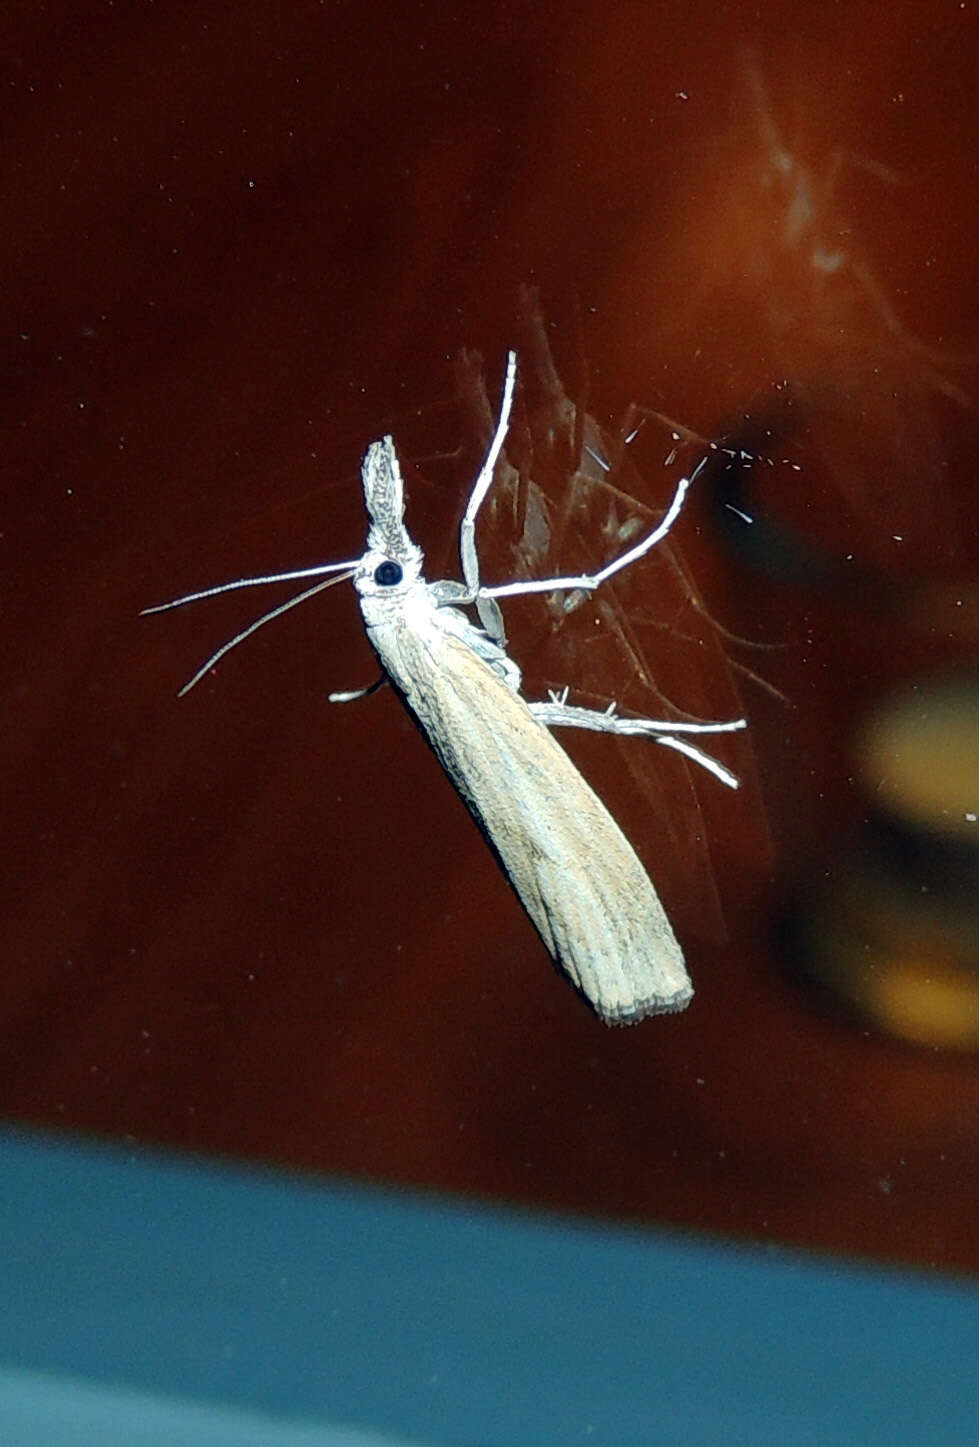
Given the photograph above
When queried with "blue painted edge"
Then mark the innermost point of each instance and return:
(456, 1323)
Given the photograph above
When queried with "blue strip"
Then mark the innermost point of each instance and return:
(459, 1324)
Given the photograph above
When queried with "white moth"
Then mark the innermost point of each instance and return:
(575, 872)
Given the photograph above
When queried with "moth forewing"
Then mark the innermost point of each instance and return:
(575, 872)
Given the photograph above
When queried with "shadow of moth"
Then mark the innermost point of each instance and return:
(575, 872)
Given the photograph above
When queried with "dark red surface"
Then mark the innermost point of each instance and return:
(241, 241)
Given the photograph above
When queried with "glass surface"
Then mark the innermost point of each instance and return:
(243, 242)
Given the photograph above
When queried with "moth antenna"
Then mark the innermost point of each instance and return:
(290, 577)
(265, 618)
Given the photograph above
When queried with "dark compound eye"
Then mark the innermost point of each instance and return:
(387, 574)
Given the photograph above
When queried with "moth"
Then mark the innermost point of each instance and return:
(576, 874)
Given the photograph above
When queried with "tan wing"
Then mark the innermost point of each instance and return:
(575, 872)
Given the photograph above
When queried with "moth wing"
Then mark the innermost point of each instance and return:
(575, 872)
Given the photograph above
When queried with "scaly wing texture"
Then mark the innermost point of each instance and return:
(575, 872)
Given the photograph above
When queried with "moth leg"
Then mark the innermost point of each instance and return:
(448, 593)
(558, 713)
(488, 610)
(590, 581)
(467, 530)
(698, 756)
(491, 617)
(355, 693)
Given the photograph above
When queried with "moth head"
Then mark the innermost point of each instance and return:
(392, 561)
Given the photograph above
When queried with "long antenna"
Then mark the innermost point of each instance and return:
(316, 572)
(259, 622)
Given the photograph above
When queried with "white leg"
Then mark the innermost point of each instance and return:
(558, 713)
(590, 581)
(683, 746)
(467, 532)
(350, 695)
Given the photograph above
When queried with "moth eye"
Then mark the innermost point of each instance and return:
(386, 574)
